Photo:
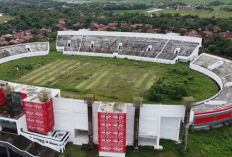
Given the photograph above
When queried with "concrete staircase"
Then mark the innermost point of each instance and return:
(13, 145)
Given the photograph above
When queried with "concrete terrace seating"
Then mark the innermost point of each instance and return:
(224, 72)
(129, 46)
(70, 42)
(13, 52)
(137, 46)
(205, 61)
(186, 49)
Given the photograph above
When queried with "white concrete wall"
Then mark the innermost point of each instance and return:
(71, 114)
(31, 54)
(21, 123)
(147, 59)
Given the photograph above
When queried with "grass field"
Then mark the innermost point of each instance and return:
(129, 11)
(210, 143)
(147, 1)
(5, 17)
(201, 13)
(110, 79)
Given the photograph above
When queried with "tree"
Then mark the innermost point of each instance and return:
(8, 38)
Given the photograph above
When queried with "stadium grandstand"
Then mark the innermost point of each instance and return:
(13, 52)
(138, 46)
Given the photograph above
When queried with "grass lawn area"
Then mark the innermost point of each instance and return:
(200, 13)
(200, 1)
(210, 143)
(5, 17)
(147, 1)
(109, 78)
(129, 11)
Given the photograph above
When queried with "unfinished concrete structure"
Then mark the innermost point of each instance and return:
(138, 46)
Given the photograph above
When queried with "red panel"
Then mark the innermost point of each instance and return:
(119, 149)
(2, 101)
(122, 125)
(109, 133)
(39, 128)
(31, 120)
(2, 95)
(24, 95)
(114, 140)
(101, 124)
(102, 132)
(108, 116)
(122, 116)
(115, 116)
(101, 140)
(223, 116)
(108, 124)
(204, 120)
(115, 133)
(215, 111)
(109, 140)
(114, 125)
(35, 114)
(31, 127)
(42, 129)
(122, 141)
(122, 133)
(105, 148)
(40, 106)
(101, 116)
(46, 121)
(28, 105)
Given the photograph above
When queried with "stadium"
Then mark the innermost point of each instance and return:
(41, 115)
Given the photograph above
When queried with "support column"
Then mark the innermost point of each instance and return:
(187, 101)
(138, 102)
(8, 90)
(89, 100)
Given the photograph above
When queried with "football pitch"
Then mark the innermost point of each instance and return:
(110, 79)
